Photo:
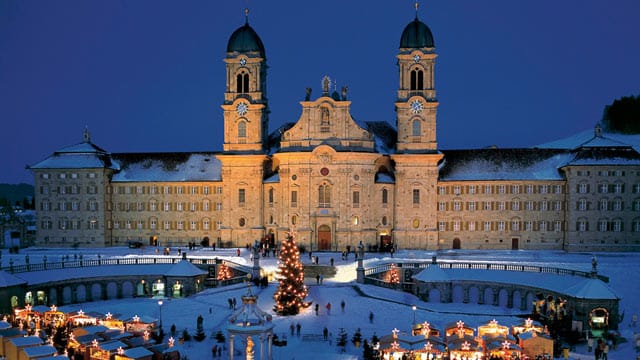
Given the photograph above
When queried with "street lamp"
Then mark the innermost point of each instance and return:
(414, 315)
(160, 306)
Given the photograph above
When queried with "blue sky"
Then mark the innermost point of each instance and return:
(148, 75)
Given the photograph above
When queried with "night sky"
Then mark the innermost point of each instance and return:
(148, 75)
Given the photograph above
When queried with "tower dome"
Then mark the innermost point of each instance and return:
(416, 35)
(244, 40)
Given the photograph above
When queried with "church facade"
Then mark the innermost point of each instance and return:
(339, 182)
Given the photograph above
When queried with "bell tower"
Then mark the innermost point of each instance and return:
(246, 111)
(416, 104)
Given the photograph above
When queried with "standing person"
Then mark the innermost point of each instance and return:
(238, 252)
(317, 307)
(318, 279)
(291, 328)
(234, 303)
(325, 333)
(328, 306)
(371, 317)
(321, 278)
(298, 329)
(342, 305)
(331, 261)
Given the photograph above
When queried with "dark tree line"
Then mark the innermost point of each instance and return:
(623, 115)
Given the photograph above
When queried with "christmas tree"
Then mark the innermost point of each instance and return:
(392, 276)
(292, 291)
(224, 272)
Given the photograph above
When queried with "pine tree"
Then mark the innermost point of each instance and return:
(224, 272)
(291, 293)
(392, 276)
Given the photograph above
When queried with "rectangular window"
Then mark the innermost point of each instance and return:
(557, 226)
(603, 205)
(218, 206)
(442, 226)
(241, 197)
(153, 206)
(544, 205)
(529, 189)
(140, 225)
(456, 190)
(154, 224)
(582, 205)
(501, 205)
(472, 226)
(193, 206)
(205, 224)
(205, 190)
(139, 190)
(385, 197)
(193, 225)
(356, 199)
(515, 225)
(515, 189)
(543, 225)
(581, 225)
(167, 190)
(457, 206)
(557, 205)
(294, 199)
(603, 188)
(153, 190)
(205, 205)
(618, 188)
(456, 225)
(515, 205)
(472, 206)
(179, 206)
(472, 189)
(501, 225)
(167, 225)
(167, 206)
(544, 189)
(528, 226)
(442, 206)
(557, 189)
(486, 205)
(442, 190)
(218, 189)
(179, 190)
(487, 226)
(128, 224)
(416, 197)
(193, 190)
(487, 189)
(501, 189)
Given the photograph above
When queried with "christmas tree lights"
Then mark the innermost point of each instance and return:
(291, 293)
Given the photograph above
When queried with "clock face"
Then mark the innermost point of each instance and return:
(242, 109)
(416, 106)
(243, 61)
(416, 58)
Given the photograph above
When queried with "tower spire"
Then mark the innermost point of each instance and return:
(416, 5)
(246, 15)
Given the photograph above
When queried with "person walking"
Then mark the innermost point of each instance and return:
(318, 279)
(325, 333)
(342, 305)
(371, 317)
(291, 327)
(328, 306)
(298, 329)
(317, 307)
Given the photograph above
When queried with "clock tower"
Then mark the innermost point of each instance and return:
(245, 103)
(416, 104)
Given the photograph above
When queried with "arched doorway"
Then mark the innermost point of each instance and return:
(456, 244)
(324, 237)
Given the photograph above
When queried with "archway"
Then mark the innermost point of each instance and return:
(456, 244)
(324, 237)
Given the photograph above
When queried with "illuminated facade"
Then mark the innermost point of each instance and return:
(339, 181)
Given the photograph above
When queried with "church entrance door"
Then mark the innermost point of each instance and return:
(324, 237)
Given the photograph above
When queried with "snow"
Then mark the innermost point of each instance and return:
(392, 309)
(167, 167)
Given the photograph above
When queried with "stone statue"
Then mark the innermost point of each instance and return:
(594, 264)
(344, 93)
(307, 96)
(249, 348)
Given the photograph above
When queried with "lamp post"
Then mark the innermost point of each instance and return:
(414, 317)
(160, 306)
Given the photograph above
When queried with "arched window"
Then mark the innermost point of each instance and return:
(417, 79)
(242, 131)
(385, 197)
(416, 128)
(324, 196)
(271, 197)
(242, 82)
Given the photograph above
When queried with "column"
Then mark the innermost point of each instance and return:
(510, 298)
(481, 295)
(261, 339)
(231, 336)
(465, 294)
(496, 297)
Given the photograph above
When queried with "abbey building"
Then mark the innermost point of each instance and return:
(340, 182)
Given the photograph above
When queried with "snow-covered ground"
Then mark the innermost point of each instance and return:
(392, 309)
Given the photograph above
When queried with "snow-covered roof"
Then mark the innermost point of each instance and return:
(138, 352)
(85, 155)
(503, 164)
(140, 167)
(583, 137)
(7, 279)
(184, 268)
(33, 352)
(575, 286)
(26, 341)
